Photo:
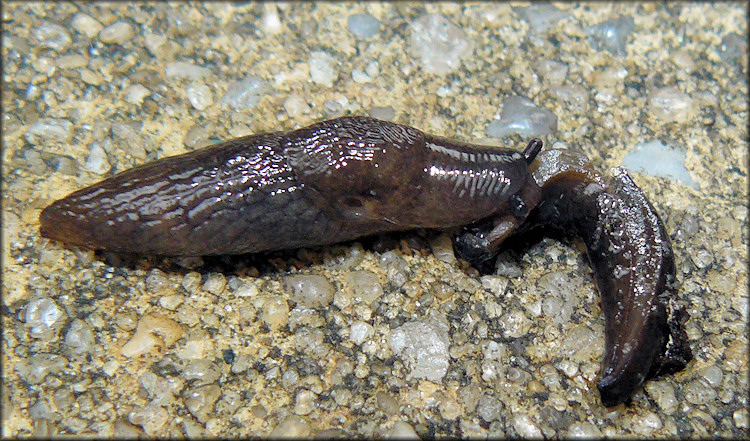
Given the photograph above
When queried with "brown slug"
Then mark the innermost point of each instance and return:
(355, 176)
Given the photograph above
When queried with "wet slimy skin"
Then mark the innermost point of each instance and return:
(351, 177)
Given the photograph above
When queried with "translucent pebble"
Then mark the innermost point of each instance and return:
(42, 316)
(86, 25)
(612, 35)
(573, 95)
(310, 290)
(275, 312)
(80, 337)
(293, 426)
(423, 345)
(669, 104)
(657, 159)
(438, 45)
(50, 129)
(34, 369)
(584, 430)
(384, 113)
(514, 324)
(295, 105)
(184, 69)
(525, 427)
(52, 36)
(541, 16)
(363, 25)
(402, 430)
(333, 108)
(246, 93)
(521, 116)
(135, 93)
(322, 68)
(215, 283)
(118, 32)
(304, 402)
(733, 48)
(365, 286)
(200, 96)
(270, 22)
(551, 70)
(360, 331)
(204, 371)
(150, 418)
(97, 160)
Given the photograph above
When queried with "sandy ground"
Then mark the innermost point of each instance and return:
(95, 345)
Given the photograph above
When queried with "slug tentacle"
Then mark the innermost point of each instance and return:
(355, 176)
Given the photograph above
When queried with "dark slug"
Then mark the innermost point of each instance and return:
(355, 176)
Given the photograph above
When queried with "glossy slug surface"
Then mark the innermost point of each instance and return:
(354, 176)
(329, 182)
(634, 268)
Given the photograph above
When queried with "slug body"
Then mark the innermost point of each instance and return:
(354, 176)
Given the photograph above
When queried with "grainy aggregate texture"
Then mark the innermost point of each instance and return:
(390, 336)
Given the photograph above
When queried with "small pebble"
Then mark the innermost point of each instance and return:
(97, 161)
(71, 61)
(270, 22)
(584, 430)
(323, 68)
(542, 16)
(44, 317)
(384, 113)
(184, 69)
(50, 129)
(333, 108)
(246, 93)
(360, 331)
(293, 426)
(80, 338)
(423, 345)
(574, 96)
(364, 26)
(295, 106)
(304, 402)
(442, 248)
(310, 290)
(275, 312)
(657, 159)
(201, 371)
(150, 418)
(155, 332)
(135, 93)
(118, 32)
(525, 427)
(215, 283)
(612, 35)
(733, 48)
(52, 36)
(86, 25)
(35, 369)
(669, 104)
(438, 44)
(521, 116)
(200, 96)
(365, 286)
(402, 430)
(551, 70)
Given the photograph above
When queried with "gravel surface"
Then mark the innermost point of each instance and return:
(391, 336)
